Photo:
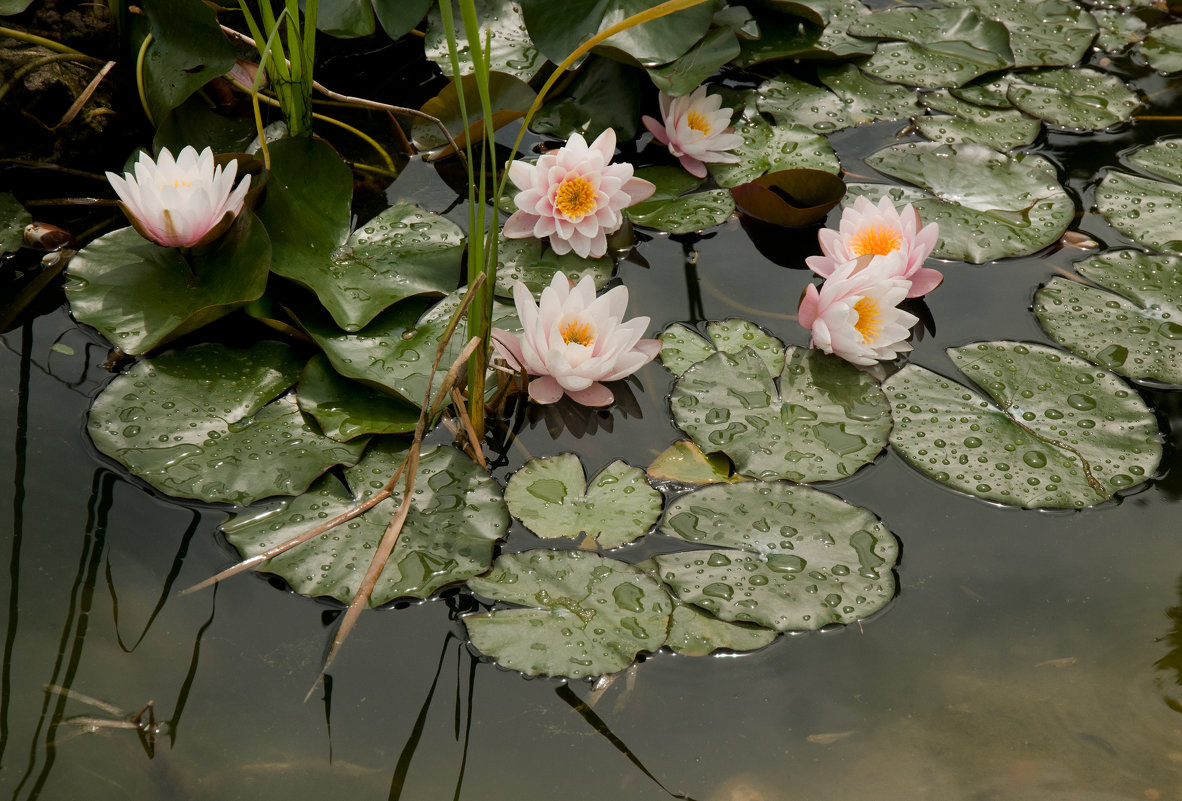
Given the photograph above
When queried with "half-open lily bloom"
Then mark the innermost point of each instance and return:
(855, 314)
(869, 229)
(696, 129)
(574, 195)
(180, 202)
(573, 341)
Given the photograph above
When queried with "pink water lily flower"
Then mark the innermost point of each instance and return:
(855, 314)
(574, 195)
(180, 202)
(869, 229)
(573, 341)
(696, 129)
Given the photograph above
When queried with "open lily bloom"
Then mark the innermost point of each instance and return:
(855, 316)
(573, 341)
(574, 196)
(869, 229)
(180, 202)
(696, 129)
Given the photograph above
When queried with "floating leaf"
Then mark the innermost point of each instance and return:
(685, 463)
(988, 205)
(786, 557)
(1135, 332)
(187, 51)
(140, 295)
(823, 35)
(673, 208)
(13, 219)
(682, 347)
(204, 423)
(552, 498)
(768, 148)
(1163, 159)
(824, 421)
(530, 261)
(1042, 34)
(853, 98)
(512, 49)
(604, 94)
(1075, 99)
(509, 98)
(345, 18)
(1118, 30)
(1000, 129)
(703, 60)
(790, 198)
(346, 410)
(453, 524)
(1143, 209)
(587, 615)
(693, 632)
(1059, 432)
(1163, 48)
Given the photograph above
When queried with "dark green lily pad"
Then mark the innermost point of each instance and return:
(769, 148)
(205, 423)
(399, 16)
(13, 219)
(1163, 159)
(512, 49)
(345, 18)
(450, 531)
(1000, 129)
(685, 463)
(1046, 33)
(509, 99)
(676, 209)
(1057, 432)
(1075, 99)
(817, 31)
(1145, 210)
(852, 98)
(682, 347)
(140, 295)
(786, 557)
(1163, 48)
(703, 60)
(533, 263)
(188, 50)
(1135, 332)
(345, 410)
(1118, 30)
(552, 498)
(693, 632)
(824, 421)
(604, 94)
(587, 615)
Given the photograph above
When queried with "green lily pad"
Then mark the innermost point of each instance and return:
(1163, 159)
(769, 148)
(188, 50)
(703, 60)
(668, 209)
(1075, 99)
(824, 421)
(685, 463)
(933, 47)
(345, 410)
(816, 31)
(1118, 30)
(604, 94)
(1054, 431)
(1142, 209)
(453, 524)
(1046, 33)
(140, 295)
(786, 557)
(988, 205)
(1000, 129)
(398, 17)
(989, 92)
(534, 264)
(552, 498)
(682, 347)
(13, 219)
(345, 18)
(586, 615)
(1163, 48)
(693, 632)
(852, 98)
(509, 99)
(1134, 332)
(512, 49)
(205, 423)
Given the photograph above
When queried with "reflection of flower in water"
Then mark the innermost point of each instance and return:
(1172, 661)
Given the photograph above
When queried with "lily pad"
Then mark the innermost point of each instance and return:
(693, 632)
(786, 557)
(1000, 129)
(453, 524)
(1143, 209)
(586, 615)
(13, 219)
(685, 463)
(769, 148)
(188, 50)
(205, 423)
(1163, 48)
(988, 205)
(1075, 99)
(552, 498)
(675, 209)
(534, 264)
(509, 98)
(1134, 332)
(512, 49)
(140, 295)
(345, 18)
(345, 410)
(824, 421)
(604, 94)
(852, 98)
(1118, 30)
(1042, 34)
(790, 198)
(1054, 431)
(1163, 159)
(817, 30)
(682, 347)
(703, 60)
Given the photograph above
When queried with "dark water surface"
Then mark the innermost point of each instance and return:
(1028, 655)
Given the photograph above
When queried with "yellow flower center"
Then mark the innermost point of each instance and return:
(869, 323)
(577, 332)
(575, 198)
(177, 184)
(877, 240)
(697, 121)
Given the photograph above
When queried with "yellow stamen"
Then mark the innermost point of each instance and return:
(577, 332)
(575, 198)
(877, 240)
(869, 323)
(177, 184)
(697, 121)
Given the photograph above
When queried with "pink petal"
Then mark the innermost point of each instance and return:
(693, 166)
(595, 395)
(809, 304)
(520, 225)
(656, 129)
(923, 281)
(544, 389)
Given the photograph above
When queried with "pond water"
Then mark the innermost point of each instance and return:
(1028, 655)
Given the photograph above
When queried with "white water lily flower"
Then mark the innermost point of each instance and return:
(573, 341)
(696, 129)
(574, 196)
(869, 229)
(855, 314)
(180, 202)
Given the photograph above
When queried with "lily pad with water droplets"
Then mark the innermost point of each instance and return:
(819, 33)
(988, 205)
(786, 557)
(453, 524)
(824, 420)
(683, 76)
(674, 208)
(1075, 99)
(1144, 209)
(851, 98)
(1163, 48)
(768, 148)
(682, 347)
(552, 498)
(1045, 33)
(346, 410)
(1000, 129)
(513, 51)
(585, 616)
(1162, 158)
(1051, 431)
(530, 261)
(1118, 30)
(1136, 332)
(13, 219)
(205, 423)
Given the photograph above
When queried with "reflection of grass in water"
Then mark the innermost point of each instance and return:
(1172, 661)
